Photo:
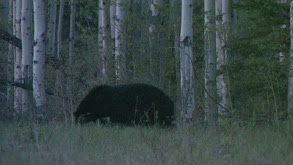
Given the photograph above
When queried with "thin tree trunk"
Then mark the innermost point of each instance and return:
(219, 53)
(119, 54)
(155, 4)
(17, 62)
(113, 19)
(59, 86)
(155, 12)
(106, 55)
(71, 55)
(186, 60)
(290, 79)
(10, 54)
(112, 27)
(59, 31)
(175, 6)
(222, 58)
(100, 40)
(39, 58)
(5, 13)
(52, 27)
(27, 51)
(211, 114)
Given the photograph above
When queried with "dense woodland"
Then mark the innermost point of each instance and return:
(229, 60)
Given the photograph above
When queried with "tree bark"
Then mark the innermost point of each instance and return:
(186, 60)
(106, 35)
(222, 58)
(119, 54)
(17, 61)
(52, 27)
(27, 50)
(211, 114)
(39, 59)
(290, 77)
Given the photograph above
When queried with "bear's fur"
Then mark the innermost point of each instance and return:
(126, 104)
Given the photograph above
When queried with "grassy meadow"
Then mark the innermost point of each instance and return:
(58, 144)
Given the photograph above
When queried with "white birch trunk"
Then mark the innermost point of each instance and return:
(17, 60)
(223, 59)
(52, 26)
(119, 54)
(39, 58)
(210, 63)
(186, 59)
(290, 79)
(27, 50)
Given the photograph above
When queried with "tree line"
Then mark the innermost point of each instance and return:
(219, 60)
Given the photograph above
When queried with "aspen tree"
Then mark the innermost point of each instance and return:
(17, 60)
(210, 63)
(39, 58)
(27, 50)
(186, 59)
(119, 54)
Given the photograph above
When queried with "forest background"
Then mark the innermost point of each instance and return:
(257, 74)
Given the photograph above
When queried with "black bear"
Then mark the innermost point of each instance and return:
(126, 104)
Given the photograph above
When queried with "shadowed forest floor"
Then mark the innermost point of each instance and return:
(57, 143)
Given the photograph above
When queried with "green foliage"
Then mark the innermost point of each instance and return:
(257, 74)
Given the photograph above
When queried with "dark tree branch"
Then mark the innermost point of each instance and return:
(53, 61)
(24, 86)
(10, 38)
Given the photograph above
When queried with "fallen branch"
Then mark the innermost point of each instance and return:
(53, 61)
(24, 86)
(10, 38)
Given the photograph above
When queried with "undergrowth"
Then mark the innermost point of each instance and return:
(57, 143)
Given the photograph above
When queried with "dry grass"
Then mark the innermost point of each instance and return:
(95, 144)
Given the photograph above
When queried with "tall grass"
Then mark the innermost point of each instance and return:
(95, 144)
